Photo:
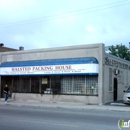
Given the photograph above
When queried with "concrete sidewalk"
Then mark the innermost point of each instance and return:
(66, 105)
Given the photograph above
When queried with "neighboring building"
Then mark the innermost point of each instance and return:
(83, 73)
(6, 49)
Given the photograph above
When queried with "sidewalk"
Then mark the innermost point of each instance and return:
(66, 105)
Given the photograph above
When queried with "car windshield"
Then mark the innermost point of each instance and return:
(128, 90)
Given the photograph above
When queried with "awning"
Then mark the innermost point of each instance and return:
(85, 65)
(84, 60)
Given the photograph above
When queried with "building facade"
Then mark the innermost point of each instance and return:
(82, 73)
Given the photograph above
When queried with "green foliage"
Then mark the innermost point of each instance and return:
(120, 51)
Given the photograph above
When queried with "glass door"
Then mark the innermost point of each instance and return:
(45, 84)
(4, 81)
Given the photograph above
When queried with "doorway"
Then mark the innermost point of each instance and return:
(6, 80)
(115, 89)
(45, 84)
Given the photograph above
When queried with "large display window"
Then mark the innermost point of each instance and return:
(75, 84)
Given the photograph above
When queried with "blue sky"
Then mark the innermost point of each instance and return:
(37, 24)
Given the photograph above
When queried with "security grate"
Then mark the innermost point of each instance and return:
(79, 85)
(92, 85)
(66, 84)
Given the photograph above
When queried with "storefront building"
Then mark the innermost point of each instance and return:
(82, 73)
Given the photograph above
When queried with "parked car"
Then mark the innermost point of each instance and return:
(126, 97)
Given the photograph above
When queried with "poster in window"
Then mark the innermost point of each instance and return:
(44, 80)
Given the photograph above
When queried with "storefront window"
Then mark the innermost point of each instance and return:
(73, 85)
(25, 84)
(35, 83)
(92, 85)
(83, 85)
(16, 84)
(79, 85)
(66, 85)
(45, 84)
(55, 85)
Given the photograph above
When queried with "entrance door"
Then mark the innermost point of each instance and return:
(45, 84)
(56, 84)
(6, 80)
(115, 89)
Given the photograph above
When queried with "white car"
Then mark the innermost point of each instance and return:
(126, 97)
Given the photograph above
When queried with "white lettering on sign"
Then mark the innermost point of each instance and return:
(21, 69)
(42, 68)
(63, 67)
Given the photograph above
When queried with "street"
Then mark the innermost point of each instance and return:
(43, 118)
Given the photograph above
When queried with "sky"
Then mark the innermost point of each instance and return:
(36, 24)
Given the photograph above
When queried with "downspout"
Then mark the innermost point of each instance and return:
(101, 75)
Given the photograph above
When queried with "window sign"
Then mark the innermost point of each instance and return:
(44, 80)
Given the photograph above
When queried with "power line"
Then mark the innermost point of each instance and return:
(70, 12)
(84, 11)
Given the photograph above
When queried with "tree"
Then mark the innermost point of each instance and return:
(120, 51)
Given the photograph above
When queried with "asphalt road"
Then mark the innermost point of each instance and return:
(42, 118)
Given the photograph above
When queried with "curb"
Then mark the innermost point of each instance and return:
(108, 108)
(118, 104)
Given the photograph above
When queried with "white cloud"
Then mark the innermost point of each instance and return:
(65, 18)
(107, 26)
(91, 28)
(18, 38)
(15, 5)
(16, 10)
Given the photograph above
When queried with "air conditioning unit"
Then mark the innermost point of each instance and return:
(116, 72)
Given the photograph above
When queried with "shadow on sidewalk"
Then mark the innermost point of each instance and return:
(118, 103)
